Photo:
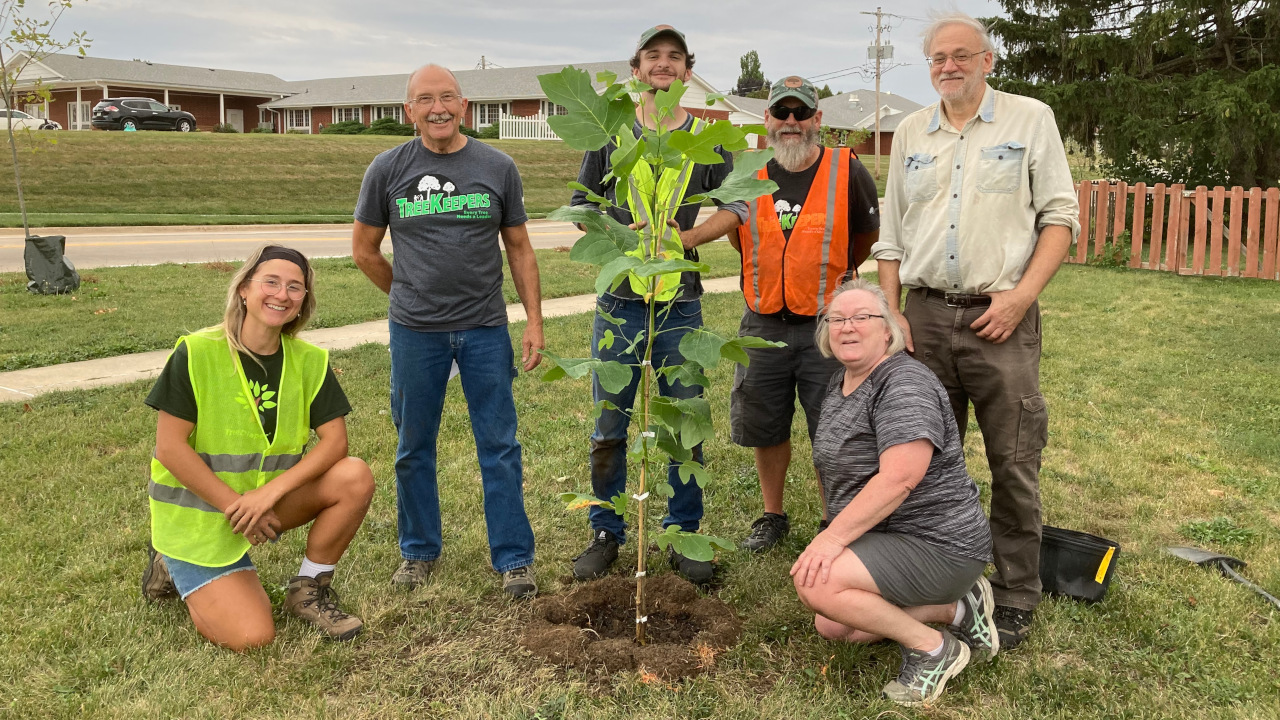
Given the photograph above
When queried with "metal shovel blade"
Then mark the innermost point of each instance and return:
(1225, 563)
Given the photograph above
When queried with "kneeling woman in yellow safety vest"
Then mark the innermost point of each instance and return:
(238, 402)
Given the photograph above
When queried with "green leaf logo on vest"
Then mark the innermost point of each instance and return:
(261, 396)
(787, 214)
(437, 195)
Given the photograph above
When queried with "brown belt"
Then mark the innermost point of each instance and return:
(959, 300)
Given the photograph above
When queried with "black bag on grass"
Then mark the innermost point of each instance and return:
(1076, 565)
(49, 272)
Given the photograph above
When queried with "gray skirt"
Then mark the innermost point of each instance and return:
(910, 572)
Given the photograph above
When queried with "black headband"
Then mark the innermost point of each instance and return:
(278, 252)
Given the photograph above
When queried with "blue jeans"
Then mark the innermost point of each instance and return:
(609, 441)
(420, 363)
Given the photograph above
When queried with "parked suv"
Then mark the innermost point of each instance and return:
(140, 113)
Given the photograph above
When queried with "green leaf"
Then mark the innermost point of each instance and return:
(613, 376)
(701, 148)
(606, 341)
(733, 353)
(702, 347)
(742, 183)
(577, 501)
(635, 342)
(609, 318)
(620, 503)
(663, 411)
(713, 98)
(659, 152)
(566, 367)
(591, 196)
(268, 394)
(666, 101)
(607, 77)
(615, 272)
(661, 267)
(691, 545)
(689, 375)
(754, 129)
(605, 238)
(592, 119)
(600, 407)
(670, 444)
(734, 349)
(695, 421)
(267, 405)
(695, 470)
(623, 159)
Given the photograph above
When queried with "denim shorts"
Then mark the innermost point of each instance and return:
(188, 578)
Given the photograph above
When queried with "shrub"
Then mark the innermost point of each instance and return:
(469, 132)
(346, 127)
(389, 126)
(224, 128)
(489, 133)
(263, 130)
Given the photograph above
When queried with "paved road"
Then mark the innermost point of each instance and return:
(110, 247)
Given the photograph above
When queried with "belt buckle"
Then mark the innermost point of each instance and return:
(956, 300)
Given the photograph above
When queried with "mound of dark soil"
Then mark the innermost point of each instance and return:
(593, 627)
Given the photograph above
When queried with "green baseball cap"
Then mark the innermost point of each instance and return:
(796, 87)
(648, 36)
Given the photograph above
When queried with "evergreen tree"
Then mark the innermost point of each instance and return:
(1169, 90)
(825, 92)
(752, 80)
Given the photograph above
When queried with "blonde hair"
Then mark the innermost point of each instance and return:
(897, 338)
(233, 317)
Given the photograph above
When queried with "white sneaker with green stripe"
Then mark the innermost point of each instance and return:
(978, 627)
(923, 677)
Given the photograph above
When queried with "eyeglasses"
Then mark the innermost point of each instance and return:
(836, 321)
(802, 113)
(961, 58)
(272, 286)
(429, 100)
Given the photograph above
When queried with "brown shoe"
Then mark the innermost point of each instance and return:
(312, 600)
(156, 583)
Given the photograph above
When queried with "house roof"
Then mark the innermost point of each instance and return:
(856, 110)
(68, 69)
(751, 106)
(477, 86)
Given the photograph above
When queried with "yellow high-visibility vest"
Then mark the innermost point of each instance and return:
(229, 438)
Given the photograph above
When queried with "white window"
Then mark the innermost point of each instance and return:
(298, 120)
(36, 110)
(489, 113)
(391, 111)
(78, 115)
(345, 114)
(549, 108)
(175, 107)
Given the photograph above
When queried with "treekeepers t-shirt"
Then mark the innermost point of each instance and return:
(173, 393)
(444, 212)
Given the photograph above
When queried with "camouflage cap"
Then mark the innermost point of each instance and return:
(796, 87)
(648, 36)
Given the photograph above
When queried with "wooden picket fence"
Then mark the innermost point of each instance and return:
(1219, 231)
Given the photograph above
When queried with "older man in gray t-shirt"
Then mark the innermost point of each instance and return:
(447, 201)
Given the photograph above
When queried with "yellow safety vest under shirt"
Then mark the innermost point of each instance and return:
(229, 438)
(671, 187)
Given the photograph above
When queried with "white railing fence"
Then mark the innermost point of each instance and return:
(534, 127)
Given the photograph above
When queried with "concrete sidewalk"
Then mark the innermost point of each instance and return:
(20, 385)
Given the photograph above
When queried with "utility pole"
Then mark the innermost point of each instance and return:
(879, 53)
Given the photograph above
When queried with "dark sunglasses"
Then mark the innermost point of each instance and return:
(782, 112)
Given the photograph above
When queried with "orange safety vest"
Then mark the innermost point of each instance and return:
(800, 273)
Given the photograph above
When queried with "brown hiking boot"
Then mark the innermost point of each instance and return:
(312, 600)
(156, 583)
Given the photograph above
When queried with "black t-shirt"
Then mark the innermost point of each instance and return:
(793, 190)
(173, 393)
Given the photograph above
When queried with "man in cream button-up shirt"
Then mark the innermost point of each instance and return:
(979, 212)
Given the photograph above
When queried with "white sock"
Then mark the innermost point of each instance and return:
(938, 650)
(312, 569)
(959, 614)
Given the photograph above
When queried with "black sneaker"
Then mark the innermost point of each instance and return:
(1013, 624)
(594, 562)
(698, 572)
(767, 532)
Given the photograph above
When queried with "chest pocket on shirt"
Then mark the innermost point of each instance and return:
(921, 177)
(1000, 167)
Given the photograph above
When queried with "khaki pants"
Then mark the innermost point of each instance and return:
(1003, 382)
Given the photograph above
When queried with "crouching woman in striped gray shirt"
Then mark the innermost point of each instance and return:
(907, 541)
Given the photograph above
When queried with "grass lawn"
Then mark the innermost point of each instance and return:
(162, 178)
(1163, 430)
(135, 309)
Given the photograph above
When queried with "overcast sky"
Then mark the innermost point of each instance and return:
(332, 38)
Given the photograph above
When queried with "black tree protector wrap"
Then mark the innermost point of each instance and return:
(49, 272)
(1076, 565)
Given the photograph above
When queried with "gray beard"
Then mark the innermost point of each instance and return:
(793, 156)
